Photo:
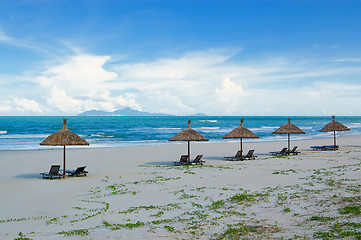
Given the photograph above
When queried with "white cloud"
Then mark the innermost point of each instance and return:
(5, 107)
(25, 105)
(348, 60)
(82, 83)
(170, 103)
(25, 43)
(317, 98)
(68, 104)
(4, 37)
(186, 67)
(109, 103)
(210, 82)
(59, 98)
(230, 95)
(20, 105)
(128, 101)
(230, 89)
(185, 85)
(192, 71)
(79, 74)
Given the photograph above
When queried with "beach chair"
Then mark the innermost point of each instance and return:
(198, 160)
(53, 172)
(332, 147)
(282, 152)
(318, 148)
(182, 161)
(249, 155)
(325, 148)
(293, 151)
(80, 171)
(236, 157)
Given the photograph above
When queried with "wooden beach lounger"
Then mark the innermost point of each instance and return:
(325, 148)
(293, 151)
(249, 155)
(53, 172)
(182, 161)
(77, 172)
(282, 152)
(198, 160)
(237, 157)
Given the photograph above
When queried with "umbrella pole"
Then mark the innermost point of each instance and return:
(289, 145)
(64, 163)
(189, 153)
(334, 139)
(241, 146)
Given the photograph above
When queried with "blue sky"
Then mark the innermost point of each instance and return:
(224, 57)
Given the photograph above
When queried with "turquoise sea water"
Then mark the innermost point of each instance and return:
(24, 133)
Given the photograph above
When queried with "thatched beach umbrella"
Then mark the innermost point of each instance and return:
(241, 132)
(289, 128)
(188, 135)
(334, 126)
(64, 137)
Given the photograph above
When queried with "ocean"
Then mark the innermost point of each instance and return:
(25, 133)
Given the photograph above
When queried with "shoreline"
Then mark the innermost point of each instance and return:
(137, 192)
(171, 143)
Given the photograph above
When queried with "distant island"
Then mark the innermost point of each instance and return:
(127, 112)
(199, 114)
(123, 112)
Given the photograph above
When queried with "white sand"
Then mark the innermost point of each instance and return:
(136, 192)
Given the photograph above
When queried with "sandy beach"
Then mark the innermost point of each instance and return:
(137, 192)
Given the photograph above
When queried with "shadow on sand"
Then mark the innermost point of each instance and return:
(171, 163)
(214, 158)
(29, 175)
(161, 163)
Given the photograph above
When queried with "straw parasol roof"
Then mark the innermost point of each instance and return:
(289, 128)
(64, 137)
(241, 132)
(188, 135)
(334, 126)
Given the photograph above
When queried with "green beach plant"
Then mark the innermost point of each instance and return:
(22, 237)
(81, 232)
(354, 210)
(287, 209)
